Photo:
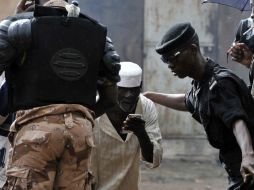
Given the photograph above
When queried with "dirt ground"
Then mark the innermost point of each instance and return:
(184, 175)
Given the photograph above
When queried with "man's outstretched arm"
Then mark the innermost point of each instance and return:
(174, 101)
(244, 141)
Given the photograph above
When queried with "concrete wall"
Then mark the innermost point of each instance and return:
(7, 7)
(124, 20)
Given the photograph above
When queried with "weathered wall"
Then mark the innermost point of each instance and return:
(7, 7)
(125, 20)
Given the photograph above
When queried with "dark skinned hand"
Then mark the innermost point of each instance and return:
(247, 171)
(134, 124)
(241, 54)
(23, 5)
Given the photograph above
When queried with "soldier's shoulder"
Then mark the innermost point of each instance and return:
(85, 16)
(220, 75)
(26, 15)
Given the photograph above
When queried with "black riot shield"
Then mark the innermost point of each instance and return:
(61, 66)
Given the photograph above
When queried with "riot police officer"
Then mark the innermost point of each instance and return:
(55, 59)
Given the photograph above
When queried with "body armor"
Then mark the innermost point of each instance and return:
(7, 48)
(61, 64)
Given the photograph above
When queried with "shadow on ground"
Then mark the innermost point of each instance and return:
(184, 175)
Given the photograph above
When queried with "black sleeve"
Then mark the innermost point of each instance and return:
(110, 64)
(226, 103)
(3, 100)
(7, 51)
(189, 101)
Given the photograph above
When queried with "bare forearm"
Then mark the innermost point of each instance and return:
(146, 145)
(174, 101)
(243, 137)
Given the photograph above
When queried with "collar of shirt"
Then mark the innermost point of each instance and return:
(210, 64)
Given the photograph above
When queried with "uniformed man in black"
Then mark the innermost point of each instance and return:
(218, 99)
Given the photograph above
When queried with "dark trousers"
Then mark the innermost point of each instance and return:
(231, 160)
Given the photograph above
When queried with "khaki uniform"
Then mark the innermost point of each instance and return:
(51, 145)
(51, 148)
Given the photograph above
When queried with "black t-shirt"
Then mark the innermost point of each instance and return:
(217, 102)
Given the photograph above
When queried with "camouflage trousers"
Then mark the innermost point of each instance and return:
(51, 152)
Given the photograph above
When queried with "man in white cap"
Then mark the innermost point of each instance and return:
(116, 156)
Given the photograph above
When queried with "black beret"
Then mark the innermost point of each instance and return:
(177, 37)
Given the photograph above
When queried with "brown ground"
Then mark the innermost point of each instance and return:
(184, 175)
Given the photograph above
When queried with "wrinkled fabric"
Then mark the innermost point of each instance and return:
(217, 101)
(51, 149)
(231, 161)
(218, 106)
(115, 162)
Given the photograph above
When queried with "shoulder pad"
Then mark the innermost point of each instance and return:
(4, 25)
(19, 33)
(25, 15)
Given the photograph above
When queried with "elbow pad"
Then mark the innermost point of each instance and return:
(110, 55)
(7, 51)
(111, 61)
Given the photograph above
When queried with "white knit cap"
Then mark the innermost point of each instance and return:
(131, 75)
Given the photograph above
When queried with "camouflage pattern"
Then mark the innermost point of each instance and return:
(51, 148)
(56, 3)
